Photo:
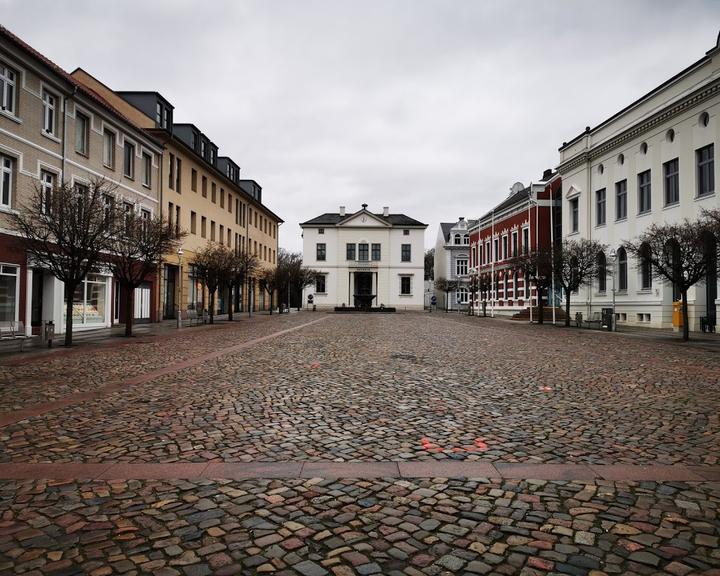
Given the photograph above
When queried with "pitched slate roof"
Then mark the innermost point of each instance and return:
(333, 218)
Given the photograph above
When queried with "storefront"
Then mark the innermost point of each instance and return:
(9, 293)
(90, 305)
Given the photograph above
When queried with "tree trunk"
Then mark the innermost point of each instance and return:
(70, 299)
(211, 310)
(249, 298)
(231, 302)
(271, 301)
(129, 291)
(567, 308)
(540, 304)
(686, 328)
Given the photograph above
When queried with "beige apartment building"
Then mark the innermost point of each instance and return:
(203, 194)
(52, 130)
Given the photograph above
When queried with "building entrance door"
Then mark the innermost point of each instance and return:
(363, 289)
(170, 282)
(37, 298)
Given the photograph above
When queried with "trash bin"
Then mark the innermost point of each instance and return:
(677, 319)
(49, 333)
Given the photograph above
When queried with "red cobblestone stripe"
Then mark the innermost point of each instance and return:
(42, 408)
(359, 470)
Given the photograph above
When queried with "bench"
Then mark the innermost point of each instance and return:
(14, 331)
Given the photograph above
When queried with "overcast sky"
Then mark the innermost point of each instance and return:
(433, 108)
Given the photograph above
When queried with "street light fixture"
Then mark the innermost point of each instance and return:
(613, 258)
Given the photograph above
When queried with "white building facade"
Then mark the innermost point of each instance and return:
(365, 257)
(653, 162)
(452, 262)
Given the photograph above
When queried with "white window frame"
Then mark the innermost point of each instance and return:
(410, 288)
(460, 265)
(17, 285)
(8, 97)
(147, 164)
(462, 295)
(47, 185)
(110, 149)
(86, 133)
(49, 100)
(127, 142)
(6, 175)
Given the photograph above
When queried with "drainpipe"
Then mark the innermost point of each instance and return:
(492, 266)
(552, 251)
(589, 206)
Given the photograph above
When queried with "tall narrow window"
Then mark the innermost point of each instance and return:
(193, 180)
(213, 193)
(621, 200)
(405, 253)
(461, 267)
(212, 230)
(7, 88)
(204, 186)
(526, 240)
(376, 252)
(405, 285)
(622, 269)
(320, 251)
(6, 181)
(109, 149)
(171, 172)
(203, 226)
(147, 169)
(671, 173)
(645, 268)
(496, 248)
(178, 175)
(600, 203)
(222, 197)
(129, 160)
(514, 244)
(602, 272)
(158, 113)
(574, 215)
(644, 192)
(350, 251)
(505, 247)
(49, 112)
(47, 184)
(320, 284)
(193, 222)
(363, 252)
(82, 133)
(705, 170)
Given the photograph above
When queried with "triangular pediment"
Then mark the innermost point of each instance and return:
(364, 219)
(572, 192)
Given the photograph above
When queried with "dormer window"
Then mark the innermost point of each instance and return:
(158, 113)
(166, 118)
(456, 240)
(202, 148)
(195, 141)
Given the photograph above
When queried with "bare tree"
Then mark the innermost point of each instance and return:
(677, 254)
(484, 287)
(136, 248)
(430, 264)
(536, 266)
(214, 265)
(297, 276)
(575, 266)
(446, 286)
(473, 288)
(245, 266)
(66, 231)
(272, 280)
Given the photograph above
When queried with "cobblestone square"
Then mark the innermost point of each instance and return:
(363, 444)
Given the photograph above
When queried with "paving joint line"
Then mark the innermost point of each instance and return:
(45, 407)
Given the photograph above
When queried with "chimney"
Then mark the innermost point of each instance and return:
(386, 211)
(342, 210)
(546, 175)
(461, 218)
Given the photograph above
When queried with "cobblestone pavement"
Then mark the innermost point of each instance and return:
(58, 375)
(344, 527)
(405, 387)
(409, 388)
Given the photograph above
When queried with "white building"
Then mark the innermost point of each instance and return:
(652, 162)
(364, 257)
(452, 262)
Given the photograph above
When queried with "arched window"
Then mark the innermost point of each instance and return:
(622, 269)
(645, 268)
(602, 272)
(456, 240)
(466, 239)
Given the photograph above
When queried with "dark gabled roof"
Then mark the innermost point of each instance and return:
(333, 218)
(446, 227)
(517, 198)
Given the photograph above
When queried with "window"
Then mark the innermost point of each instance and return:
(128, 210)
(505, 247)
(405, 285)
(145, 220)
(178, 172)
(204, 186)
(129, 163)
(7, 88)
(6, 184)
(405, 255)
(671, 173)
(212, 230)
(600, 207)
(171, 172)
(645, 268)
(514, 244)
(644, 192)
(108, 208)
(49, 111)
(461, 296)
(350, 251)
(82, 133)
(193, 222)
(47, 184)
(320, 230)
(526, 240)
(193, 180)
(456, 240)
(622, 269)
(461, 267)
(602, 272)
(166, 118)
(320, 251)
(466, 239)
(158, 113)
(202, 148)
(705, 170)
(376, 252)
(8, 292)
(147, 169)
(213, 193)
(406, 232)
(203, 226)
(222, 233)
(621, 200)
(109, 149)
(574, 215)
(496, 249)
(320, 284)
(171, 215)
(704, 119)
(222, 197)
(363, 252)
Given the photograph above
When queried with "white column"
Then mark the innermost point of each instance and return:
(28, 301)
(108, 302)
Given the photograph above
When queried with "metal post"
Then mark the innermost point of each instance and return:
(613, 257)
(180, 280)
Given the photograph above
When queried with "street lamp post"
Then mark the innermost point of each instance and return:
(613, 257)
(180, 280)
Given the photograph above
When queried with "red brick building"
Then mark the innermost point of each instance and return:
(520, 223)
